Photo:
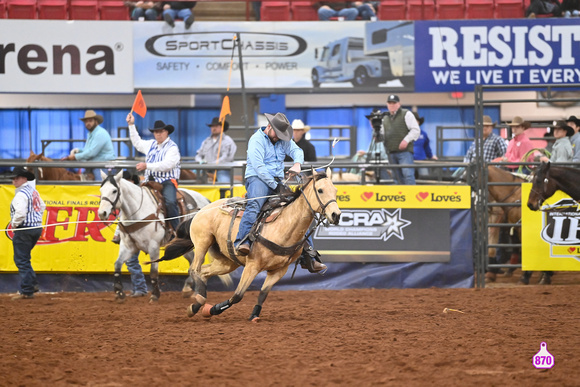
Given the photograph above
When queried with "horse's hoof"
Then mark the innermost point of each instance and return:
(193, 309)
(205, 310)
(255, 319)
(187, 294)
(120, 300)
(153, 300)
(490, 277)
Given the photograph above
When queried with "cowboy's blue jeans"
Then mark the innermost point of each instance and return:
(23, 242)
(255, 188)
(170, 196)
(175, 13)
(137, 276)
(404, 176)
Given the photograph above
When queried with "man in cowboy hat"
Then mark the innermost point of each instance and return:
(562, 151)
(493, 145)
(265, 171)
(520, 144)
(26, 212)
(300, 139)
(162, 162)
(99, 146)
(401, 129)
(211, 148)
(574, 123)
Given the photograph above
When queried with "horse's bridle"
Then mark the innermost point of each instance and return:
(322, 206)
(114, 182)
(541, 195)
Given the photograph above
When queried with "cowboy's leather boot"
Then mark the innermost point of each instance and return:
(310, 260)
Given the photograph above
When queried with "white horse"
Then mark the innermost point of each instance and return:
(137, 203)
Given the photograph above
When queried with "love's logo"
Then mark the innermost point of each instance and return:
(422, 196)
(366, 196)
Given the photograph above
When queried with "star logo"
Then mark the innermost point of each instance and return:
(394, 224)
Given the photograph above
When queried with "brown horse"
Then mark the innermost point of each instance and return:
(547, 180)
(54, 173)
(511, 214)
(210, 230)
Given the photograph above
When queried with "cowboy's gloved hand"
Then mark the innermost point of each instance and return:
(283, 190)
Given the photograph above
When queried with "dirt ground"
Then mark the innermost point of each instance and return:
(305, 338)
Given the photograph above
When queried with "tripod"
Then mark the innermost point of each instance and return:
(376, 153)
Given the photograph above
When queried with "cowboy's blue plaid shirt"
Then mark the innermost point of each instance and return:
(493, 147)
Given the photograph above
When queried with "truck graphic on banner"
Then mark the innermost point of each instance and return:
(386, 53)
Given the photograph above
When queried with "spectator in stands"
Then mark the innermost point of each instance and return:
(562, 150)
(210, 147)
(401, 129)
(421, 148)
(519, 145)
(574, 123)
(148, 10)
(571, 8)
(26, 212)
(300, 139)
(494, 146)
(99, 146)
(327, 10)
(544, 7)
(179, 9)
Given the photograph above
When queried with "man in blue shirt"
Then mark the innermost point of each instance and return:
(267, 149)
(99, 146)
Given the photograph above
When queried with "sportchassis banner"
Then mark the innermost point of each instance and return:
(379, 224)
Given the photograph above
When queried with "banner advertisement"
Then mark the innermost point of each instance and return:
(55, 56)
(378, 224)
(551, 238)
(77, 241)
(457, 55)
(289, 56)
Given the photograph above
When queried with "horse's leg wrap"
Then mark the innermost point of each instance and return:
(155, 292)
(256, 312)
(219, 308)
(118, 287)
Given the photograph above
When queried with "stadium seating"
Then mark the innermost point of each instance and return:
(84, 10)
(392, 10)
(2, 9)
(21, 9)
(303, 10)
(52, 9)
(275, 11)
(509, 9)
(479, 9)
(114, 10)
(450, 9)
(420, 9)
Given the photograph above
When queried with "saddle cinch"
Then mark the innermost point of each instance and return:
(185, 203)
(234, 207)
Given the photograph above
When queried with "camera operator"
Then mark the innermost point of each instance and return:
(401, 129)
(376, 152)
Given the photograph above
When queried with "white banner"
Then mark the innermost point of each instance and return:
(301, 56)
(52, 56)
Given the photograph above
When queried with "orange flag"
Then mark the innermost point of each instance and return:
(225, 108)
(139, 106)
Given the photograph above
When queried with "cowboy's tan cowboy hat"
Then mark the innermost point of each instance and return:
(21, 171)
(297, 124)
(488, 121)
(92, 114)
(161, 125)
(281, 126)
(519, 121)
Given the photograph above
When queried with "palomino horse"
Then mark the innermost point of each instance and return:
(211, 230)
(547, 180)
(136, 203)
(54, 173)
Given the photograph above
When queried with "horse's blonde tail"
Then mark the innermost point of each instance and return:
(226, 280)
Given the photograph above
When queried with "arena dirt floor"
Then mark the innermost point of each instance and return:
(305, 338)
